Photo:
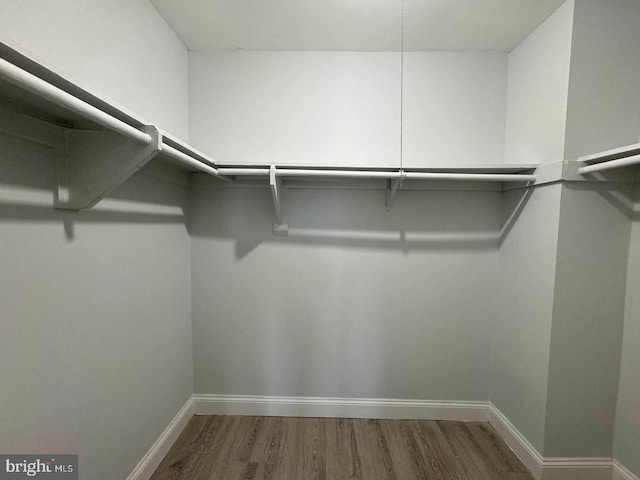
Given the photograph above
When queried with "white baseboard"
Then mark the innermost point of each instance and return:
(523, 449)
(554, 468)
(339, 407)
(540, 467)
(161, 446)
(592, 468)
(620, 472)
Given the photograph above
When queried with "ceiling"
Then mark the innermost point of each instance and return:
(358, 25)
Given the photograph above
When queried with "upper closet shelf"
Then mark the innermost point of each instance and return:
(96, 144)
(489, 173)
(394, 177)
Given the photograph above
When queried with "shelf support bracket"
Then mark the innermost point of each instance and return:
(280, 226)
(392, 188)
(94, 163)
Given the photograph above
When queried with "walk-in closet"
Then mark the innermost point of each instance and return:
(295, 239)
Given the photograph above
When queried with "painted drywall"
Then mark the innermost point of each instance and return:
(120, 48)
(588, 315)
(604, 89)
(356, 302)
(343, 108)
(95, 310)
(522, 330)
(95, 316)
(537, 90)
(454, 108)
(326, 108)
(627, 426)
(603, 112)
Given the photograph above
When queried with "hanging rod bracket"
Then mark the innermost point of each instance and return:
(392, 188)
(280, 226)
(91, 164)
(16, 124)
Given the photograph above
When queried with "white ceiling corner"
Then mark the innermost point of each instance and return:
(354, 25)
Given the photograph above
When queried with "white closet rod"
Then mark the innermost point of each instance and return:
(185, 159)
(481, 177)
(41, 88)
(186, 148)
(299, 172)
(27, 81)
(610, 164)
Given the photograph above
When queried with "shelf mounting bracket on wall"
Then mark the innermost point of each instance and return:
(280, 226)
(94, 163)
(392, 188)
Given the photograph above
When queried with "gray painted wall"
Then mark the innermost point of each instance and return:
(535, 130)
(95, 325)
(95, 309)
(537, 89)
(343, 108)
(121, 48)
(627, 432)
(572, 415)
(604, 83)
(357, 302)
(588, 313)
(603, 112)
(522, 333)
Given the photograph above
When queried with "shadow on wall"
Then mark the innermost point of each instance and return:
(111, 210)
(26, 194)
(619, 196)
(636, 203)
(356, 302)
(418, 220)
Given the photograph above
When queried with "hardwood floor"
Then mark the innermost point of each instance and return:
(282, 448)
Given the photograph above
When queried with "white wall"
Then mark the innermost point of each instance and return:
(326, 108)
(95, 309)
(627, 426)
(537, 91)
(343, 108)
(538, 77)
(588, 314)
(121, 48)
(356, 302)
(95, 316)
(522, 332)
(603, 112)
(604, 89)
(454, 108)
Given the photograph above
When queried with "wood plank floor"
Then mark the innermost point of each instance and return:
(282, 448)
